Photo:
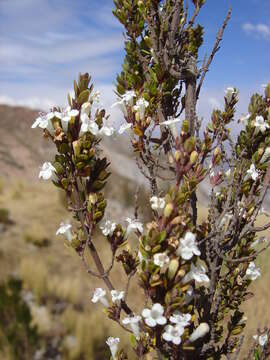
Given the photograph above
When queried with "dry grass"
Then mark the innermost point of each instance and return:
(36, 235)
(35, 277)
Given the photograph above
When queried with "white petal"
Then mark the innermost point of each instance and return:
(161, 320)
(150, 322)
(36, 123)
(158, 308)
(93, 127)
(176, 340)
(146, 313)
(167, 337)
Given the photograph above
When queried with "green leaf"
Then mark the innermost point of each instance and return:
(162, 236)
(257, 355)
(83, 97)
(133, 341)
(59, 168)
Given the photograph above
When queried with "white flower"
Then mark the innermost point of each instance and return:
(88, 125)
(133, 225)
(113, 345)
(96, 97)
(201, 331)
(100, 295)
(122, 106)
(157, 203)
(252, 272)
(180, 319)
(171, 123)
(106, 130)
(161, 259)
(188, 247)
(124, 101)
(263, 339)
(266, 155)
(154, 316)
(244, 119)
(67, 115)
(173, 334)
(133, 322)
(47, 171)
(140, 107)
(117, 296)
(260, 124)
(108, 227)
(128, 97)
(64, 229)
(85, 109)
(124, 127)
(252, 172)
(44, 122)
(196, 273)
(229, 92)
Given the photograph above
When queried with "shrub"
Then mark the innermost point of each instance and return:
(195, 273)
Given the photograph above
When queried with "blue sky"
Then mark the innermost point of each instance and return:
(45, 43)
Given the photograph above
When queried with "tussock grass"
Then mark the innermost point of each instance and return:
(4, 216)
(35, 275)
(36, 235)
(88, 330)
(68, 289)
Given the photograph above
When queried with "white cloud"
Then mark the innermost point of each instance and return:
(35, 103)
(260, 30)
(215, 103)
(61, 52)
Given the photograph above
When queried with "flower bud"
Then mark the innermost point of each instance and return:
(148, 120)
(93, 198)
(181, 273)
(185, 126)
(217, 151)
(237, 330)
(189, 144)
(260, 151)
(76, 147)
(168, 210)
(193, 157)
(200, 332)
(177, 220)
(148, 41)
(173, 266)
(177, 155)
